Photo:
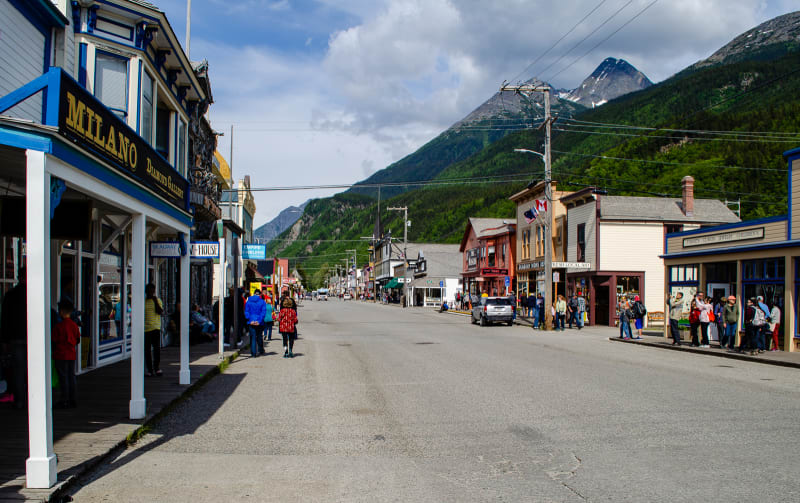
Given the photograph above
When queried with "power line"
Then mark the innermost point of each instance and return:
(582, 131)
(667, 162)
(701, 131)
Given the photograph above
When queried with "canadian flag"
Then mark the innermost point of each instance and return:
(541, 205)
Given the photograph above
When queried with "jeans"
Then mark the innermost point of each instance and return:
(730, 335)
(152, 350)
(760, 336)
(288, 339)
(208, 328)
(560, 320)
(535, 318)
(579, 319)
(268, 328)
(256, 340)
(573, 318)
(625, 328)
(704, 333)
(66, 380)
(675, 329)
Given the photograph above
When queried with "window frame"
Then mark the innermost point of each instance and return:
(98, 54)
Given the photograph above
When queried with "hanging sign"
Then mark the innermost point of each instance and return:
(165, 249)
(205, 249)
(85, 121)
(254, 252)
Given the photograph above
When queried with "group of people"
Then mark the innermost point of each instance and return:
(564, 312)
(261, 315)
(631, 312)
(761, 322)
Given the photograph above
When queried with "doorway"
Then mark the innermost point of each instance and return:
(602, 307)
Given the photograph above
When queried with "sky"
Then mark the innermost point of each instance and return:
(328, 92)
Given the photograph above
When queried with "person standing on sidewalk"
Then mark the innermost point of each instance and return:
(287, 324)
(572, 310)
(269, 319)
(748, 342)
(561, 311)
(639, 312)
(675, 313)
(66, 336)
(254, 312)
(730, 323)
(152, 331)
(703, 318)
(581, 311)
(775, 325)
(625, 315)
(694, 322)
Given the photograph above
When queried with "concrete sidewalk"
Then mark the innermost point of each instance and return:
(84, 436)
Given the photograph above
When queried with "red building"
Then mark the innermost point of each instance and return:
(488, 248)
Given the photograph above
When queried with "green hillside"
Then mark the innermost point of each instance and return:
(758, 95)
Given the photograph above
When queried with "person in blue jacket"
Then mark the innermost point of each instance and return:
(268, 321)
(254, 312)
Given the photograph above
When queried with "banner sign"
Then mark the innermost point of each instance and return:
(724, 237)
(572, 265)
(254, 252)
(86, 122)
(205, 249)
(165, 249)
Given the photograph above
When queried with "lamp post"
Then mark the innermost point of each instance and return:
(548, 254)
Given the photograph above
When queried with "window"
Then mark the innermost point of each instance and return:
(111, 82)
(491, 256)
(672, 228)
(503, 253)
(539, 242)
(146, 127)
(683, 274)
(181, 163)
(581, 241)
(162, 131)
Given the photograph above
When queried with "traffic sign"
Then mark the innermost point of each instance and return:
(508, 281)
(441, 284)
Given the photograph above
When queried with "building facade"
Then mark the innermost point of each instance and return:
(488, 248)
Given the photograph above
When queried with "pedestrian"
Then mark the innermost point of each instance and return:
(719, 315)
(761, 332)
(287, 324)
(639, 312)
(730, 322)
(572, 310)
(14, 333)
(675, 314)
(533, 309)
(703, 317)
(254, 311)
(694, 323)
(581, 311)
(625, 316)
(199, 320)
(269, 319)
(66, 337)
(153, 310)
(775, 325)
(540, 308)
(748, 343)
(561, 312)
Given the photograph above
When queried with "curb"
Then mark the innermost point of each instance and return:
(60, 494)
(704, 352)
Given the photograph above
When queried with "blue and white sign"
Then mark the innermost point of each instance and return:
(205, 249)
(165, 249)
(508, 281)
(441, 284)
(254, 252)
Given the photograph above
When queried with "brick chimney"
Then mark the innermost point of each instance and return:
(687, 183)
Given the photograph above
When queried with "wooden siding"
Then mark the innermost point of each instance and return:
(794, 211)
(584, 214)
(21, 60)
(773, 232)
(636, 247)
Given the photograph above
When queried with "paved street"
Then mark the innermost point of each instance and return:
(385, 404)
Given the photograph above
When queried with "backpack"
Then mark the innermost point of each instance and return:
(760, 318)
(639, 311)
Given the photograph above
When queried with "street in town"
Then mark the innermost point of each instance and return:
(382, 403)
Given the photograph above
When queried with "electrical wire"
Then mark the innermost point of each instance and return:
(693, 138)
(779, 134)
(667, 162)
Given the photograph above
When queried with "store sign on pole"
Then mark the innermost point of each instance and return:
(165, 249)
(556, 277)
(508, 281)
(254, 252)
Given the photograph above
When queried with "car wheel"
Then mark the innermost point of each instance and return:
(483, 321)
(511, 323)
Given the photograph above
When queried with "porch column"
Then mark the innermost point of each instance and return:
(138, 404)
(666, 303)
(742, 301)
(788, 304)
(223, 291)
(184, 375)
(40, 467)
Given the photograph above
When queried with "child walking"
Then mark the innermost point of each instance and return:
(66, 336)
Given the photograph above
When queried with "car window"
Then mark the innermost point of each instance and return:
(498, 302)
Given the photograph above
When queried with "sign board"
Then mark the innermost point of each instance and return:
(165, 249)
(493, 271)
(724, 237)
(85, 121)
(205, 249)
(441, 284)
(556, 277)
(254, 252)
(508, 281)
(530, 266)
(572, 265)
(254, 287)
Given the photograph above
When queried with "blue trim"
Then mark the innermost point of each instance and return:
(42, 14)
(789, 183)
(121, 25)
(20, 94)
(734, 225)
(25, 140)
(52, 97)
(795, 152)
(82, 61)
(724, 251)
(139, 102)
(117, 6)
(48, 47)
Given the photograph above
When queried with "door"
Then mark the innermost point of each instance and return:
(602, 308)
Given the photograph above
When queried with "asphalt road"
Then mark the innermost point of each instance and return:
(385, 404)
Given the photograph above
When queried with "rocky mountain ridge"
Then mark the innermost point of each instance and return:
(611, 79)
(280, 223)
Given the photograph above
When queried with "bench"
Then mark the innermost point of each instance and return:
(655, 318)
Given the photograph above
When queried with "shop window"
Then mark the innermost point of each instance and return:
(146, 126)
(181, 164)
(768, 269)
(503, 253)
(683, 274)
(111, 82)
(491, 256)
(162, 131)
(581, 242)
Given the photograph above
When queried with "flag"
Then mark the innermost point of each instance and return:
(541, 205)
(531, 214)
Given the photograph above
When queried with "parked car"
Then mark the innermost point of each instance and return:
(492, 310)
(347, 296)
(309, 296)
(322, 296)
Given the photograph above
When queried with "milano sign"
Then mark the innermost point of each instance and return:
(88, 123)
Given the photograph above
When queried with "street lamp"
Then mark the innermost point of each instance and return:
(548, 240)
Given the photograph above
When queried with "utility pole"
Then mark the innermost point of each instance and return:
(404, 209)
(527, 90)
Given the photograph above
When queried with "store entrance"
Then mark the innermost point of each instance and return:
(602, 307)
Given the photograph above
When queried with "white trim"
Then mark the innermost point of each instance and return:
(185, 373)
(138, 404)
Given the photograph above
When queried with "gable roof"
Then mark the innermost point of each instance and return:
(482, 225)
(664, 209)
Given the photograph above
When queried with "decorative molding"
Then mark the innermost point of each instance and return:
(182, 90)
(92, 20)
(144, 35)
(76, 16)
(161, 58)
(172, 76)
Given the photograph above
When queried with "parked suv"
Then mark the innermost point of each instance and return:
(492, 310)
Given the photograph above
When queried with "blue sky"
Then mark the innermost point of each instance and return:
(327, 91)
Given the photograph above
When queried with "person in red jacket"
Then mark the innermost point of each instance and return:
(66, 336)
(287, 321)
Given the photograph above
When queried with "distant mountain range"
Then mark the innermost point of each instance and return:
(612, 79)
(277, 225)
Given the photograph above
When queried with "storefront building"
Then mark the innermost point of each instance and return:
(746, 259)
(93, 153)
(488, 248)
(618, 240)
(435, 276)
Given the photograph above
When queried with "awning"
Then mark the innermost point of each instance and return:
(391, 284)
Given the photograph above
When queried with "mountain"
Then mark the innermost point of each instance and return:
(612, 79)
(780, 34)
(283, 221)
